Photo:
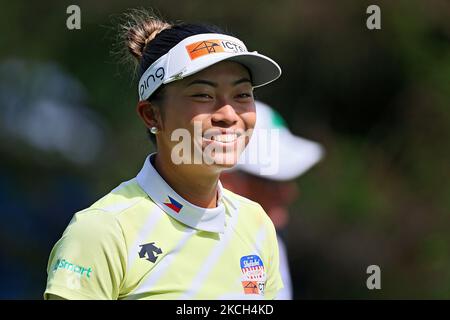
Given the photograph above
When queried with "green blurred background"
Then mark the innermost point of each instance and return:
(378, 101)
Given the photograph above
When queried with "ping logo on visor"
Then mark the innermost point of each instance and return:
(201, 48)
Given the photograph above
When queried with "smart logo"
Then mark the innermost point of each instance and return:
(64, 264)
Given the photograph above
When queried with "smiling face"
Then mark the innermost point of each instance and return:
(216, 107)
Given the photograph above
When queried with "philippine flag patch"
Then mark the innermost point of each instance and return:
(253, 275)
(173, 204)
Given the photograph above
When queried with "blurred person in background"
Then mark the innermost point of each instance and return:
(47, 131)
(275, 190)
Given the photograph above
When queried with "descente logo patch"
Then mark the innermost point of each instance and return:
(201, 48)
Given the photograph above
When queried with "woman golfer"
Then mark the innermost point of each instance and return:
(173, 231)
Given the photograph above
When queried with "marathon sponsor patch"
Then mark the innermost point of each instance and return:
(253, 275)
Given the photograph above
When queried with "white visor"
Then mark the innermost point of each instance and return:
(198, 52)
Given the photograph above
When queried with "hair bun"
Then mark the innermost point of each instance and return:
(142, 28)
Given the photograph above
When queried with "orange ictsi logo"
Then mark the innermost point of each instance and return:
(200, 48)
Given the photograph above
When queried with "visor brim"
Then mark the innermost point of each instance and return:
(263, 69)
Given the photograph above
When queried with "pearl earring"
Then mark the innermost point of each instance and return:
(154, 130)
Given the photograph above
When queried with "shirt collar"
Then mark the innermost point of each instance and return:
(206, 219)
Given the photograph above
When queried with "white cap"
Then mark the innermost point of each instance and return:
(277, 153)
(200, 51)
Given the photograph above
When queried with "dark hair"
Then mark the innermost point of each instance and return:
(148, 38)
